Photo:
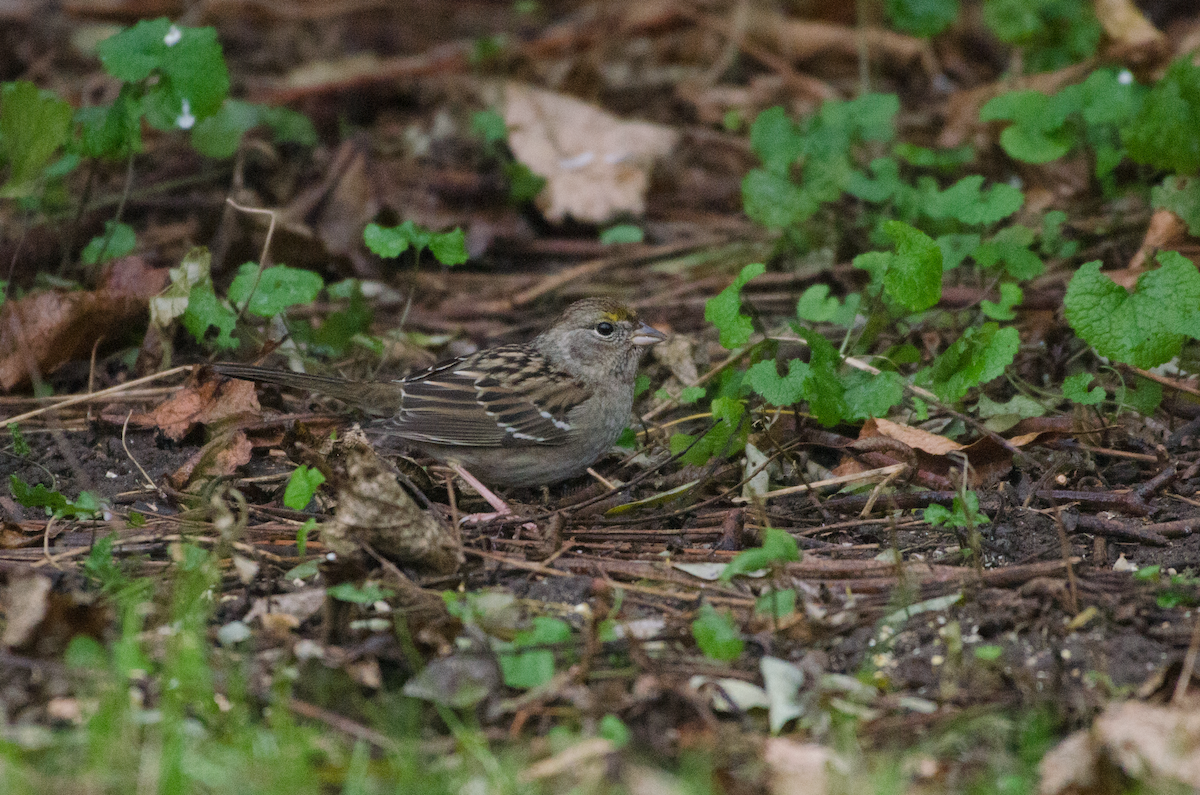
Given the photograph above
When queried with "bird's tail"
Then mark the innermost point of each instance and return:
(366, 395)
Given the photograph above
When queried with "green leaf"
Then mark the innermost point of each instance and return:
(964, 513)
(289, 126)
(205, 311)
(1037, 134)
(533, 667)
(778, 547)
(815, 381)
(776, 603)
(721, 440)
(33, 126)
(715, 634)
(218, 136)
(774, 201)
(1144, 397)
(278, 288)
(1011, 246)
(1163, 133)
(622, 233)
(1011, 295)
(38, 496)
(20, 446)
(366, 594)
(1180, 195)
(118, 240)
(816, 306)
(777, 140)
(975, 358)
(1145, 328)
(489, 125)
(193, 80)
(1075, 389)
(914, 276)
(956, 248)
(724, 310)
(968, 202)
(301, 487)
(922, 18)
(870, 395)
(112, 132)
(449, 248)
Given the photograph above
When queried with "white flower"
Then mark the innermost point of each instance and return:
(185, 120)
(174, 34)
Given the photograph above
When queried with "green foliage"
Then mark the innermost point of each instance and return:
(366, 594)
(1089, 114)
(448, 248)
(85, 506)
(975, 358)
(1012, 248)
(726, 437)
(33, 127)
(1145, 328)
(1075, 389)
(525, 662)
(832, 398)
(1011, 296)
(204, 312)
(776, 603)
(724, 310)
(1163, 133)
(1051, 33)
(1180, 195)
(963, 513)
(778, 547)
(912, 276)
(716, 635)
(118, 240)
(922, 17)
(218, 135)
(20, 446)
(191, 79)
(822, 145)
(268, 292)
(301, 487)
(622, 233)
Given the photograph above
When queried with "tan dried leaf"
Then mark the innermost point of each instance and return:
(596, 166)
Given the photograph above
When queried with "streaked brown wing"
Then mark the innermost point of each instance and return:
(462, 403)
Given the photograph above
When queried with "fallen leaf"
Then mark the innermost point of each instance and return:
(205, 400)
(49, 328)
(596, 166)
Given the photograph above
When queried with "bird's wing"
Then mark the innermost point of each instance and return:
(517, 399)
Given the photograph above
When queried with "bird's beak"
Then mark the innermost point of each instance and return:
(646, 334)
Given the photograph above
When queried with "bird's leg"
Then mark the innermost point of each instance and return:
(502, 509)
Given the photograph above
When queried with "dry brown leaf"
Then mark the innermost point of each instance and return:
(205, 402)
(1134, 37)
(221, 456)
(797, 768)
(1166, 230)
(596, 166)
(936, 455)
(48, 328)
(913, 437)
(1152, 744)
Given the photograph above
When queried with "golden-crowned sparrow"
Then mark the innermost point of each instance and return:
(514, 415)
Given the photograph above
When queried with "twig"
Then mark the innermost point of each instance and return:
(77, 399)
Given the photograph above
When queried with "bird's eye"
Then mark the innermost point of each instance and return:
(604, 329)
